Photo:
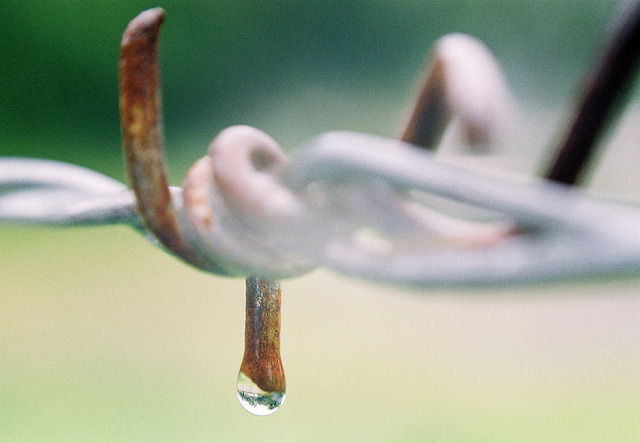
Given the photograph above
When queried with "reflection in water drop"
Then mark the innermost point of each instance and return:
(255, 400)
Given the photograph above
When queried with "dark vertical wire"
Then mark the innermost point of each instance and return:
(605, 95)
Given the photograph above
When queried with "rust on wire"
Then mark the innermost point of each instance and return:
(261, 361)
(141, 126)
(430, 114)
(142, 139)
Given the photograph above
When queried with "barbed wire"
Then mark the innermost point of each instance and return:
(381, 209)
(359, 204)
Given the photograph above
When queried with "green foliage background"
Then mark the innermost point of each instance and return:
(105, 337)
(230, 62)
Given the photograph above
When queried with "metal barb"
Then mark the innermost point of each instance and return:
(141, 125)
(604, 96)
(261, 361)
(142, 140)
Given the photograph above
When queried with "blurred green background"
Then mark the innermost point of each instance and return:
(104, 337)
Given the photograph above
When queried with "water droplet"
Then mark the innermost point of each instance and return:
(255, 400)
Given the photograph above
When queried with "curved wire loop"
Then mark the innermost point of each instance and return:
(464, 84)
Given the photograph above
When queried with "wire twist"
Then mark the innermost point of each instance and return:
(358, 204)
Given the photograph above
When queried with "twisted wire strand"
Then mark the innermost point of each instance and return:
(566, 232)
(352, 184)
(49, 192)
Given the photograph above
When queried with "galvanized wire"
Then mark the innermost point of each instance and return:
(368, 212)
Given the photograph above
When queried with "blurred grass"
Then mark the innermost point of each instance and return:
(104, 337)
(116, 340)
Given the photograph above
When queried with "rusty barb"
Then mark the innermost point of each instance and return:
(141, 126)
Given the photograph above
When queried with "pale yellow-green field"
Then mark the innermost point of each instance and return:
(104, 337)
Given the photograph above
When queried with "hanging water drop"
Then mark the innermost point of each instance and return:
(255, 400)
(261, 384)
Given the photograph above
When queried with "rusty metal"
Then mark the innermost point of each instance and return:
(142, 140)
(141, 126)
(142, 135)
(261, 361)
(430, 114)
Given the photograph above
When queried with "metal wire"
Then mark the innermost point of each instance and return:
(49, 192)
(363, 217)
